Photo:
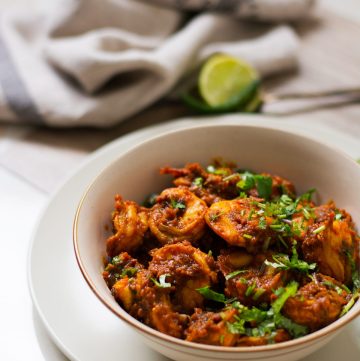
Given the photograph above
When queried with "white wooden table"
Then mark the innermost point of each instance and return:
(24, 190)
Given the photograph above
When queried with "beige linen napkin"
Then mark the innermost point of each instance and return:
(268, 10)
(95, 63)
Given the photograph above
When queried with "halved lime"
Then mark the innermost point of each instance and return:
(223, 77)
(239, 102)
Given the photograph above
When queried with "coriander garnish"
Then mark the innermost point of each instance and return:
(234, 274)
(198, 182)
(211, 295)
(284, 262)
(177, 204)
(250, 289)
(319, 229)
(162, 281)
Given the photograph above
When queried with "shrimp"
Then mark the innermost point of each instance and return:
(238, 223)
(130, 222)
(316, 304)
(331, 243)
(178, 215)
(187, 268)
(247, 278)
(119, 266)
(149, 303)
(211, 328)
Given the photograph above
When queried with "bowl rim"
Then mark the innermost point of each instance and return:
(143, 328)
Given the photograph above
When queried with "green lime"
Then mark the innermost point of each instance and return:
(238, 102)
(223, 77)
(254, 104)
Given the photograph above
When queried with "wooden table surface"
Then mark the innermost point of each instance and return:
(35, 161)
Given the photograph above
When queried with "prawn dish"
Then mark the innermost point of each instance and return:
(230, 257)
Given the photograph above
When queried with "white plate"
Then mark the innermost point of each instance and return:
(76, 320)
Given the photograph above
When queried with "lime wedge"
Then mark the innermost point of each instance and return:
(239, 102)
(223, 77)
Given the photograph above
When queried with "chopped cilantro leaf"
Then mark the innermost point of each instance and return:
(338, 216)
(131, 271)
(250, 289)
(243, 280)
(247, 181)
(264, 186)
(234, 274)
(258, 293)
(250, 214)
(249, 314)
(162, 281)
(242, 195)
(116, 260)
(214, 216)
(221, 339)
(198, 182)
(289, 291)
(177, 204)
(219, 171)
(351, 303)
(356, 280)
(267, 327)
(283, 262)
(262, 183)
(262, 223)
(319, 229)
(308, 195)
(211, 295)
(237, 327)
(338, 289)
(355, 272)
(293, 328)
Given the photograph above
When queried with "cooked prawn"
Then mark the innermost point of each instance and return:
(237, 222)
(252, 283)
(186, 267)
(178, 215)
(316, 304)
(130, 222)
(330, 242)
(145, 301)
(211, 328)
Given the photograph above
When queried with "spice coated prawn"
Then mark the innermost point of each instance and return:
(136, 290)
(237, 222)
(188, 269)
(331, 242)
(178, 215)
(130, 222)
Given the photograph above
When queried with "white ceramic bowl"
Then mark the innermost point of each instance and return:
(135, 174)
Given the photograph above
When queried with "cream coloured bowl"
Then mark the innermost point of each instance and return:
(135, 174)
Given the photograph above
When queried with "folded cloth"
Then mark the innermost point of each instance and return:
(95, 63)
(267, 10)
